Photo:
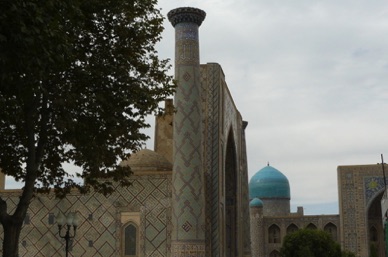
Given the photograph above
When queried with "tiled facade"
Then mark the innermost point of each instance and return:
(360, 191)
(225, 167)
(197, 207)
(188, 191)
(268, 228)
(147, 203)
(288, 224)
(190, 196)
(204, 104)
(358, 227)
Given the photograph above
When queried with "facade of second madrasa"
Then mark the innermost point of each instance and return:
(271, 218)
(358, 227)
(190, 197)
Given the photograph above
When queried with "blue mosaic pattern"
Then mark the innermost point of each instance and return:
(188, 199)
(372, 187)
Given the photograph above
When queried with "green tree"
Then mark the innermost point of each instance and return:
(347, 254)
(310, 243)
(77, 79)
(373, 251)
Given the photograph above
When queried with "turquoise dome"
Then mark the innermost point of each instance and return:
(269, 183)
(256, 202)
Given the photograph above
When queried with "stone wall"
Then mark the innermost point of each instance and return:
(147, 201)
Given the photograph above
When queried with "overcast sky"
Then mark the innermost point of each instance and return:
(309, 76)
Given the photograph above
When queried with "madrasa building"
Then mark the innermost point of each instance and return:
(190, 196)
(358, 228)
(271, 219)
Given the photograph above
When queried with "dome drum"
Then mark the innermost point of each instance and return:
(147, 160)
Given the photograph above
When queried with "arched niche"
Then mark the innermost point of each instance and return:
(311, 226)
(130, 239)
(375, 227)
(274, 234)
(231, 197)
(275, 253)
(292, 228)
(332, 230)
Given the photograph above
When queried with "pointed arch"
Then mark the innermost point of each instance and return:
(275, 253)
(331, 228)
(231, 189)
(292, 228)
(311, 226)
(274, 234)
(375, 226)
(373, 235)
(130, 239)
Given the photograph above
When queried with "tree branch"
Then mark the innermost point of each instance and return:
(44, 120)
(3, 211)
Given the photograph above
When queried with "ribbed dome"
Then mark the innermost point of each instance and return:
(147, 160)
(256, 202)
(269, 183)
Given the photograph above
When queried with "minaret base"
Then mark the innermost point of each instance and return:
(187, 248)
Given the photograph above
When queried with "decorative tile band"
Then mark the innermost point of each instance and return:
(186, 14)
(186, 44)
(188, 249)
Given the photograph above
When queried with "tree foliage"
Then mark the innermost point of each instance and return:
(77, 79)
(347, 254)
(310, 243)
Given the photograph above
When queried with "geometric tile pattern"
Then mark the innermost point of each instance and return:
(245, 193)
(181, 214)
(230, 115)
(222, 119)
(211, 105)
(348, 200)
(358, 187)
(99, 220)
(372, 186)
(261, 225)
(188, 208)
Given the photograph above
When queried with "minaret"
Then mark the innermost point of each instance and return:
(188, 196)
(256, 227)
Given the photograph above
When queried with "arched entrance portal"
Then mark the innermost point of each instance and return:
(231, 198)
(375, 228)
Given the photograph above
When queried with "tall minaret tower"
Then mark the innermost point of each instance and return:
(188, 195)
